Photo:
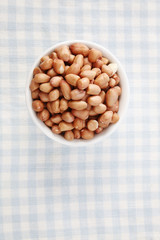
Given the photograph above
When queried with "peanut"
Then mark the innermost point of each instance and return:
(102, 80)
(94, 100)
(63, 53)
(92, 112)
(92, 125)
(115, 107)
(54, 95)
(41, 78)
(82, 114)
(37, 105)
(98, 64)
(66, 89)
(71, 58)
(88, 73)
(55, 81)
(49, 123)
(49, 107)
(77, 105)
(56, 129)
(85, 97)
(55, 106)
(97, 70)
(87, 62)
(93, 89)
(102, 95)
(112, 82)
(59, 66)
(87, 134)
(114, 67)
(79, 48)
(106, 69)
(46, 87)
(65, 70)
(76, 133)
(112, 96)
(44, 97)
(105, 119)
(56, 118)
(63, 126)
(116, 78)
(77, 94)
(46, 64)
(35, 94)
(72, 79)
(115, 118)
(37, 70)
(33, 85)
(86, 67)
(63, 105)
(78, 123)
(44, 58)
(51, 73)
(99, 130)
(69, 135)
(53, 55)
(105, 60)
(83, 83)
(79, 60)
(68, 117)
(74, 68)
(44, 115)
(101, 108)
(94, 54)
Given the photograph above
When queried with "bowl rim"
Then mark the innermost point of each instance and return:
(81, 142)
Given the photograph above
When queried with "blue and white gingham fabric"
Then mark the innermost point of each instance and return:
(107, 191)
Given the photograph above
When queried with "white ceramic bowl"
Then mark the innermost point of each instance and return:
(123, 103)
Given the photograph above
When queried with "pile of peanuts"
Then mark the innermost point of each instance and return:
(75, 91)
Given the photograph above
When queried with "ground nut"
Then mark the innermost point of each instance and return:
(54, 95)
(41, 78)
(74, 68)
(59, 66)
(71, 59)
(83, 83)
(85, 97)
(72, 79)
(118, 89)
(115, 118)
(112, 82)
(98, 64)
(102, 80)
(37, 70)
(44, 58)
(69, 135)
(93, 89)
(51, 72)
(82, 114)
(99, 130)
(79, 60)
(37, 105)
(56, 118)
(56, 129)
(112, 96)
(77, 105)
(55, 106)
(116, 78)
(87, 62)
(63, 53)
(46, 64)
(78, 123)
(92, 125)
(68, 117)
(105, 60)
(102, 95)
(97, 70)
(86, 67)
(35, 94)
(33, 85)
(44, 97)
(88, 73)
(63, 105)
(79, 48)
(94, 100)
(114, 108)
(45, 87)
(87, 134)
(53, 55)
(55, 81)
(106, 69)
(64, 126)
(49, 123)
(92, 113)
(49, 107)
(105, 119)
(114, 67)
(44, 115)
(101, 108)
(76, 133)
(66, 89)
(94, 54)
(77, 94)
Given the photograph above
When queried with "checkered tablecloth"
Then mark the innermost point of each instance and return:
(107, 191)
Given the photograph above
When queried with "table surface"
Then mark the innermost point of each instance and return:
(107, 191)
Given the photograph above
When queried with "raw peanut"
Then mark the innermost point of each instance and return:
(102, 80)
(72, 79)
(41, 78)
(33, 85)
(71, 59)
(37, 70)
(54, 95)
(79, 60)
(101, 108)
(94, 54)
(105, 119)
(118, 89)
(114, 108)
(44, 115)
(89, 107)
(35, 94)
(56, 118)
(86, 67)
(85, 97)
(69, 135)
(55, 81)
(97, 70)
(44, 58)
(65, 70)
(49, 123)
(102, 95)
(44, 97)
(64, 126)
(92, 125)
(79, 48)
(63, 105)
(82, 114)
(56, 129)
(92, 112)
(49, 107)
(59, 66)
(67, 117)
(46, 87)
(53, 55)
(51, 73)
(88, 73)
(99, 130)
(66, 89)
(86, 134)
(63, 53)
(46, 64)
(55, 106)
(116, 78)
(83, 83)
(94, 100)
(114, 67)
(77, 105)
(87, 62)
(74, 68)
(60, 93)
(98, 64)
(105, 60)
(76, 133)
(77, 94)
(107, 69)
(37, 105)
(112, 82)
(78, 123)
(115, 118)
(93, 89)
(112, 96)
